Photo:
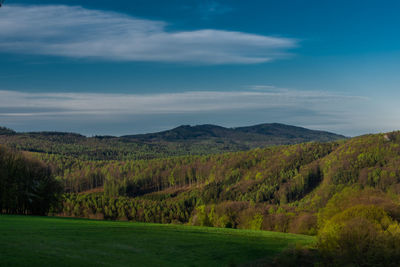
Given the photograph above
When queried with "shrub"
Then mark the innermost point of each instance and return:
(352, 196)
(363, 235)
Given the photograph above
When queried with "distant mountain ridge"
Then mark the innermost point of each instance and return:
(6, 131)
(182, 140)
(259, 132)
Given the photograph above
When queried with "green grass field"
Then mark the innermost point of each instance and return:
(52, 241)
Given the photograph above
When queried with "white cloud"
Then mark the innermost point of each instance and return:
(53, 104)
(101, 113)
(73, 31)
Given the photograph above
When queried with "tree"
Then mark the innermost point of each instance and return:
(27, 185)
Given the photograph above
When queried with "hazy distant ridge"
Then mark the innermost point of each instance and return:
(260, 132)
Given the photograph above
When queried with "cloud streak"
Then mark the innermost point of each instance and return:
(104, 113)
(56, 104)
(76, 32)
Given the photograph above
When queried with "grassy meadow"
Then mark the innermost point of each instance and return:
(55, 241)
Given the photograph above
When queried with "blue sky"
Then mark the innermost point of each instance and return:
(122, 67)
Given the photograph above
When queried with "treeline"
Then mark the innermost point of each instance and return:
(26, 184)
(109, 147)
(101, 206)
(81, 147)
(187, 210)
(6, 131)
(181, 141)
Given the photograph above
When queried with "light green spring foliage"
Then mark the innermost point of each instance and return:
(286, 185)
(358, 228)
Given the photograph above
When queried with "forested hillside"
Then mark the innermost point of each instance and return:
(310, 188)
(183, 140)
(272, 133)
(346, 193)
(278, 188)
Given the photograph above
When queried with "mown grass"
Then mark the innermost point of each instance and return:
(52, 241)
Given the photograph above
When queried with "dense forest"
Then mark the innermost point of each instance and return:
(284, 187)
(26, 184)
(327, 189)
(279, 185)
(180, 141)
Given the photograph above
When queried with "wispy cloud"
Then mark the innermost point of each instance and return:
(195, 101)
(73, 31)
(100, 113)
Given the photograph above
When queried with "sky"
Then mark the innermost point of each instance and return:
(123, 67)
